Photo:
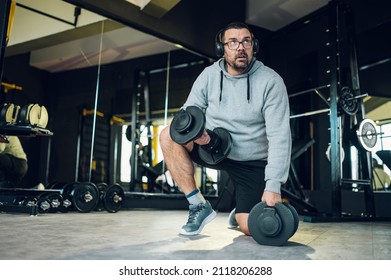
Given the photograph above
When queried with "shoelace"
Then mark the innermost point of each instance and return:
(193, 214)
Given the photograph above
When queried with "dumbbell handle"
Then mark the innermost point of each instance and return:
(214, 142)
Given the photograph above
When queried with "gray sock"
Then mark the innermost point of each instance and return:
(195, 197)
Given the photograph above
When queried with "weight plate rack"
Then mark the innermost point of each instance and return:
(83, 197)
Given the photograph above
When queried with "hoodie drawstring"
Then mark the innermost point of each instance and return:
(248, 88)
(221, 86)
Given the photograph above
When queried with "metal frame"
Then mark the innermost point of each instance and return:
(74, 23)
(335, 162)
(5, 6)
(335, 12)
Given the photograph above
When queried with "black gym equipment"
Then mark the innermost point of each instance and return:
(364, 135)
(113, 198)
(102, 187)
(9, 113)
(189, 124)
(80, 196)
(273, 226)
(85, 196)
(348, 102)
(293, 189)
(65, 192)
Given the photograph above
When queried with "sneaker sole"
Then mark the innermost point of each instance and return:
(204, 222)
(232, 223)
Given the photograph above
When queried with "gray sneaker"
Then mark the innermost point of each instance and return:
(199, 216)
(232, 223)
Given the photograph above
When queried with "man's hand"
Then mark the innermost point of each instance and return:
(203, 139)
(271, 198)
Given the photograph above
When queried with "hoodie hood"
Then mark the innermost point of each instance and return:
(252, 67)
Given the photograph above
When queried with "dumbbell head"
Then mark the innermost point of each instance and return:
(113, 198)
(188, 124)
(295, 217)
(43, 204)
(102, 187)
(218, 147)
(272, 226)
(85, 197)
(56, 202)
(33, 115)
(9, 113)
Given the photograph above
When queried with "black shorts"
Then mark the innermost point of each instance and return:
(248, 178)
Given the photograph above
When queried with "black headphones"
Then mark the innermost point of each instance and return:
(219, 46)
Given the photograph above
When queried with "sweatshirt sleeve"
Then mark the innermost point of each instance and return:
(198, 93)
(276, 113)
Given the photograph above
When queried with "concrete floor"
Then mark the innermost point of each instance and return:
(150, 234)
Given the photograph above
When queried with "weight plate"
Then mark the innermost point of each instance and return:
(85, 197)
(30, 201)
(367, 134)
(347, 101)
(66, 189)
(56, 201)
(24, 114)
(295, 217)
(34, 115)
(113, 198)
(43, 117)
(50, 185)
(187, 125)
(102, 187)
(43, 204)
(9, 113)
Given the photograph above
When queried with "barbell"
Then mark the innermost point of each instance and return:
(347, 102)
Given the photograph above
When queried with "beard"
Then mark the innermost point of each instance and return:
(240, 62)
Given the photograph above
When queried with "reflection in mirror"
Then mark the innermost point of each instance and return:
(109, 90)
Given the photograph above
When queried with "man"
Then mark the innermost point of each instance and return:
(13, 162)
(242, 95)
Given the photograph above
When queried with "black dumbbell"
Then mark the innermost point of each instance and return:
(65, 192)
(102, 187)
(85, 196)
(82, 196)
(22, 200)
(189, 124)
(273, 226)
(43, 204)
(56, 202)
(113, 198)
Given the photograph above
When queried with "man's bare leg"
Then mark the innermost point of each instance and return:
(181, 168)
(178, 162)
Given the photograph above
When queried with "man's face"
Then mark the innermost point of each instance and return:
(237, 59)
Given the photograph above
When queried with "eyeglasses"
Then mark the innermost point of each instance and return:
(233, 45)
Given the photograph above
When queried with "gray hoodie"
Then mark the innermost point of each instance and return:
(254, 108)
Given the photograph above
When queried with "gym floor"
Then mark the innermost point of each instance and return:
(151, 234)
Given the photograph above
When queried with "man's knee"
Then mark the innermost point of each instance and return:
(164, 136)
(242, 220)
